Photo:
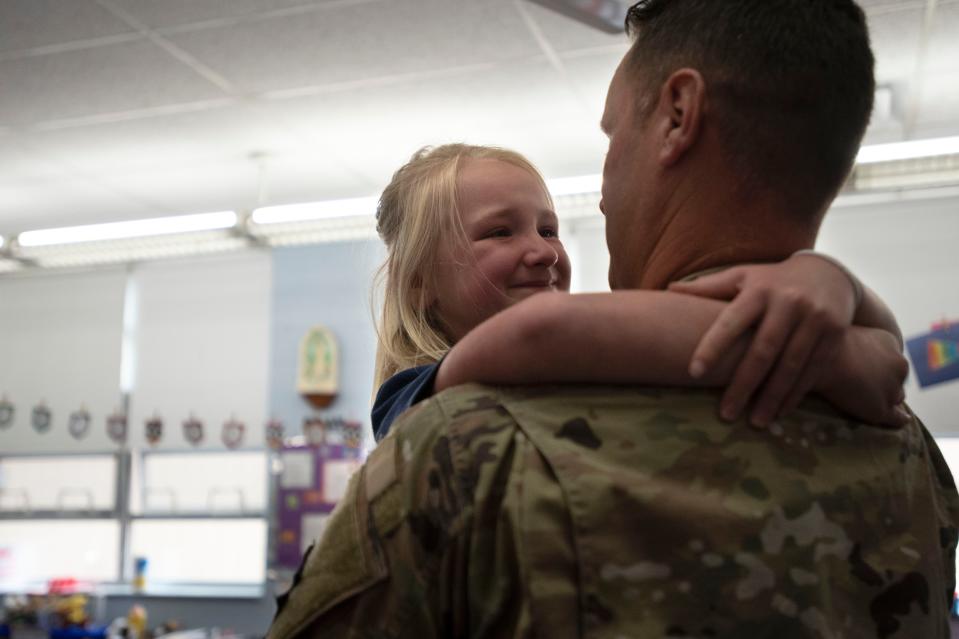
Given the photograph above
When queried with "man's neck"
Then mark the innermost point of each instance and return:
(701, 240)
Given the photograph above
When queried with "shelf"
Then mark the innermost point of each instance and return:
(157, 591)
(20, 515)
(188, 591)
(201, 515)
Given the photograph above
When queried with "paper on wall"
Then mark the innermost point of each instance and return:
(298, 470)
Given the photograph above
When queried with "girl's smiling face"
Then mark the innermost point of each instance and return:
(513, 236)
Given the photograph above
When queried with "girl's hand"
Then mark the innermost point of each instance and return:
(867, 380)
(800, 309)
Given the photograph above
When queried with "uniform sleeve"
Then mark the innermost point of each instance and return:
(384, 562)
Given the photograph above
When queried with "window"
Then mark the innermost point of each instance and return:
(198, 518)
(201, 550)
(37, 550)
(52, 484)
(228, 482)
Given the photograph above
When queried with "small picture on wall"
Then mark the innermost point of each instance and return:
(298, 470)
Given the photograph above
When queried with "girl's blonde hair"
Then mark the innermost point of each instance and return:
(417, 212)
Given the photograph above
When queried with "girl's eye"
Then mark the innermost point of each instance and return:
(500, 232)
(549, 232)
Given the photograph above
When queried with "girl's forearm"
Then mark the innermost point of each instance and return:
(628, 337)
(873, 313)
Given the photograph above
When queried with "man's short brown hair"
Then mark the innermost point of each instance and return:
(791, 83)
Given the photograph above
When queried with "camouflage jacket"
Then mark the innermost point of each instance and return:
(613, 512)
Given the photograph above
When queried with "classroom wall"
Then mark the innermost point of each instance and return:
(197, 331)
(328, 284)
(60, 345)
(906, 250)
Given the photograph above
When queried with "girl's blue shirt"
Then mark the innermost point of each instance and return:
(400, 392)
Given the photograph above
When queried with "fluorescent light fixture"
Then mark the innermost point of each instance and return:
(907, 150)
(315, 210)
(362, 206)
(1, 241)
(133, 228)
(575, 185)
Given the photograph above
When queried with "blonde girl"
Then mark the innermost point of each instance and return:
(473, 239)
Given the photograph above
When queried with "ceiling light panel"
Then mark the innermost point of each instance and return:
(130, 229)
(316, 231)
(284, 214)
(908, 150)
(134, 249)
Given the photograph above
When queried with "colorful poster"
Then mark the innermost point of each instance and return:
(935, 355)
(312, 481)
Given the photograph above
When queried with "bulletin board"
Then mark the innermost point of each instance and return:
(313, 480)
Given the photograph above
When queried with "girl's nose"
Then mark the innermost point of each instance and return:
(541, 252)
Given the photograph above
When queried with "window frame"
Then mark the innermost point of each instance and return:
(123, 515)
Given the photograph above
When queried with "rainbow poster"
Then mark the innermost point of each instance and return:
(935, 355)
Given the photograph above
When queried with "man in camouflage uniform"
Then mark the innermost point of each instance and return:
(617, 512)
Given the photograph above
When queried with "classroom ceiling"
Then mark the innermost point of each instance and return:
(123, 109)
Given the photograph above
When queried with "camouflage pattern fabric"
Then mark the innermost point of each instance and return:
(614, 512)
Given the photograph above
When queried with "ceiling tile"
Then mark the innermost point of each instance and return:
(195, 188)
(170, 13)
(17, 163)
(939, 98)
(360, 42)
(26, 24)
(232, 133)
(895, 42)
(558, 147)
(235, 185)
(107, 79)
(63, 201)
(312, 177)
(375, 129)
(943, 48)
(590, 75)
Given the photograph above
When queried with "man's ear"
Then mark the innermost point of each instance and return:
(682, 103)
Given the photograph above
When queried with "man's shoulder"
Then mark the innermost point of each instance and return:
(473, 404)
(476, 399)
(472, 408)
(463, 416)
